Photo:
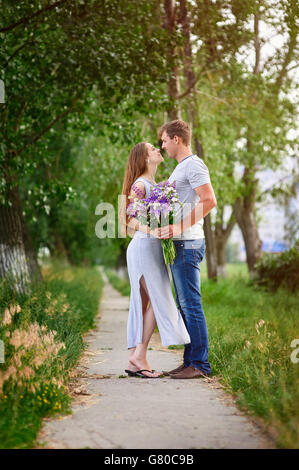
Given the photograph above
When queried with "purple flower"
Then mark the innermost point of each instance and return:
(166, 209)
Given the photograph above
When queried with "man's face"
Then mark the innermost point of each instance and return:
(169, 145)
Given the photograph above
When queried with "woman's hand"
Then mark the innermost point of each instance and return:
(170, 231)
(155, 232)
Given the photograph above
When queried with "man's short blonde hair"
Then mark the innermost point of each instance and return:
(179, 128)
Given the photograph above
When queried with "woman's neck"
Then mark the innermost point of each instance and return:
(150, 174)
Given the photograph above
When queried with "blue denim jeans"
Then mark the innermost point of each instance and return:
(186, 279)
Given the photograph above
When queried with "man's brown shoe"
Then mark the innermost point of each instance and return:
(174, 371)
(189, 373)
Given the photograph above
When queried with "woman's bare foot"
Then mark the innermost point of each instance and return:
(132, 367)
(142, 364)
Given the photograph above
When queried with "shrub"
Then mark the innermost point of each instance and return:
(274, 271)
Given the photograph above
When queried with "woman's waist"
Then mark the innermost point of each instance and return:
(145, 236)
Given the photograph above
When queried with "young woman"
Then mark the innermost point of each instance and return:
(151, 298)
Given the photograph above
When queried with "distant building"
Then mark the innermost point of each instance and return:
(274, 220)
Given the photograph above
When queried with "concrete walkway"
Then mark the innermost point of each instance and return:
(112, 411)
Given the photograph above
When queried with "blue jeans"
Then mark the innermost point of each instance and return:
(186, 279)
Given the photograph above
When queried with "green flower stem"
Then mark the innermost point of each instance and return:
(169, 251)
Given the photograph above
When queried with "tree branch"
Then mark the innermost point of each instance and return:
(191, 86)
(38, 136)
(19, 117)
(26, 19)
(257, 44)
(30, 40)
(230, 225)
(287, 60)
(292, 68)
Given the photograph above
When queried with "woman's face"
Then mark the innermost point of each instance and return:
(154, 155)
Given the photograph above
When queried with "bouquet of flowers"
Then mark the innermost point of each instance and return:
(157, 211)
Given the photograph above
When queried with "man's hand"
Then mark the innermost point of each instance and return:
(170, 231)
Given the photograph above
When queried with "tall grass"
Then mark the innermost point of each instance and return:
(42, 334)
(250, 334)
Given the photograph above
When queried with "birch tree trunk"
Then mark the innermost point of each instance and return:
(31, 256)
(13, 261)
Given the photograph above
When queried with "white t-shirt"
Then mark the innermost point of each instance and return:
(189, 174)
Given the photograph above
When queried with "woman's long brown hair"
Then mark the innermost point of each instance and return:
(136, 165)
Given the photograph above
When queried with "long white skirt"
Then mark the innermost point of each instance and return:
(145, 258)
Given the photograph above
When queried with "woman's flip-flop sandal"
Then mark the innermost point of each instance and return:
(139, 373)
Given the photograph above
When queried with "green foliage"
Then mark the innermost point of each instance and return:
(36, 373)
(279, 270)
(87, 81)
(57, 60)
(122, 285)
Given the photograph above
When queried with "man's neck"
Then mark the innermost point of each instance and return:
(183, 153)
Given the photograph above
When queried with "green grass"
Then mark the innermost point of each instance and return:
(250, 334)
(65, 303)
(120, 284)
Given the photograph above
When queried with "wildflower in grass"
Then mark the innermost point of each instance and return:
(34, 346)
(7, 317)
(27, 372)
(9, 313)
(259, 325)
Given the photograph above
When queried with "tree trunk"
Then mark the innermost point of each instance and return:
(208, 231)
(222, 235)
(59, 247)
(193, 116)
(13, 260)
(244, 207)
(210, 248)
(244, 210)
(34, 269)
(247, 223)
(170, 24)
(221, 257)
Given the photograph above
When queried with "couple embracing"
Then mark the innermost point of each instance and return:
(151, 300)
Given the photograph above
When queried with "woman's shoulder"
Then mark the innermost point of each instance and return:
(139, 180)
(139, 184)
(138, 187)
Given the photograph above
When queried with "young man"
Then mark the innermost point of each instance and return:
(196, 193)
